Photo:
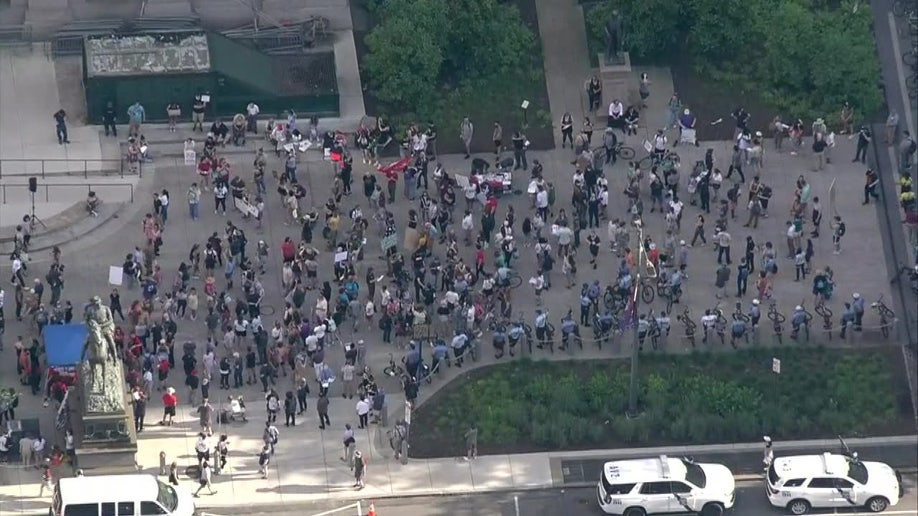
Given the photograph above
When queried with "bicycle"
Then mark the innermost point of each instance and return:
(886, 315)
(527, 331)
(394, 370)
(826, 313)
(604, 332)
(548, 338)
(574, 334)
(621, 151)
(686, 319)
(654, 331)
(615, 299)
(777, 320)
(669, 160)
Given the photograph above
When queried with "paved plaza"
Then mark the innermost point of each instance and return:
(307, 465)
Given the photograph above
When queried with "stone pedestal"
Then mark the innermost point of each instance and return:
(106, 442)
(618, 82)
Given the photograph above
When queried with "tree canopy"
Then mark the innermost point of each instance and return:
(427, 56)
(803, 56)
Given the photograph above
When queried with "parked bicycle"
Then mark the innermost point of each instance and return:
(604, 327)
(777, 320)
(686, 319)
(826, 313)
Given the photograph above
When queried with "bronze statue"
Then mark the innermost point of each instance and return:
(103, 382)
(613, 32)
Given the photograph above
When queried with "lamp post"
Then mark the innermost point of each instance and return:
(635, 300)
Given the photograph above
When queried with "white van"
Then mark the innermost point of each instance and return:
(119, 495)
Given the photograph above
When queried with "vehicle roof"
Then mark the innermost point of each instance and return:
(644, 470)
(105, 488)
(798, 466)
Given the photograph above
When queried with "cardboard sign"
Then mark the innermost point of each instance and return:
(388, 242)
(115, 275)
(776, 365)
(340, 257)
(191, 157)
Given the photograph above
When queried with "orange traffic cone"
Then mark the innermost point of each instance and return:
(372, 511)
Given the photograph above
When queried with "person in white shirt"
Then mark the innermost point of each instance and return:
(251, 117)
(468, 225)
(164, 206)
(363, 413)
(220, 192)
(616, 110)
(542, 202)
(707, 323)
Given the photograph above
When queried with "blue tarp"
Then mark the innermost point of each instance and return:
(64, 344)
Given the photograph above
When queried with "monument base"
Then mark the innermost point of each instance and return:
(106, 443)
(618, 82)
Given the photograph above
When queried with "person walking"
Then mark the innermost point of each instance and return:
(136, 116)
(838, 231)
(864, 137)
(350, 445)
(322, 410)
(302, 392)
(471, 442)
(60, 126)
(270, 436)
(907, 149)
(348, 381)
(360, 470)
(204, 479)
(870, 186)
(108, 119)
(264, 459)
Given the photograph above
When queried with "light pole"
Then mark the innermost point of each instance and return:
(642, 261)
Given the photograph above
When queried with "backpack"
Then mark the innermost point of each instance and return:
(841, 229)
(912, 147)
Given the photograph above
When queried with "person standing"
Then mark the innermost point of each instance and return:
(363, 412)
(302, 392)
(466, 132)
(170, 401)
(204, 479)
(194, 201)
(723, 246)
(251, 117)
(907, 148)
(497, 137)
(289, 409)
(892, 122)
(206, 417)
(838, 231)
(519, 151)
(220, 192)
(870, 186)
(348, 381)
(108, 119)
(136, 116)
(864, 137)
(567, 130)
(816, 217)
(140, 408)
(60, 126)
(197, 113)
(322, 410)
(350, 446)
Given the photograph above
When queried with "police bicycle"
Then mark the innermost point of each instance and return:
(520, 330)
(887, 316)
(777, 320)
(604, 327)
(570, 331)
(690, 327)
(826, 313)
(653, 331)
(801, 320)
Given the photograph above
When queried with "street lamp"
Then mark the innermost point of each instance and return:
(635, 304)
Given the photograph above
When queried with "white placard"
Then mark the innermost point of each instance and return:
(776, 365)
(205, 98)
(462, 181)
(340, 257)
(191, 157)
(525, 104)
(115, 275)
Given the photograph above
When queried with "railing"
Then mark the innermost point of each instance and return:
(18, 191)
(63, 167)
(15, 35)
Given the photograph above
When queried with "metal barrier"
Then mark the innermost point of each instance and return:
(15, 35)
(19, 167)
(17, 190)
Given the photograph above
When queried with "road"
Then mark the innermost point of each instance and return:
(750, 501)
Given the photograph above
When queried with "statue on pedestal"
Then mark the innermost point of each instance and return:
(613, 30)
(101, 374)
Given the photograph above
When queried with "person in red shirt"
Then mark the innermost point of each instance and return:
(170, 401)
(288, 250)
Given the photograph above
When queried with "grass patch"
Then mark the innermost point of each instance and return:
(526, 406)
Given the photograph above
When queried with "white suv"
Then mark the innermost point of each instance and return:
(831, 480)
(665, 485)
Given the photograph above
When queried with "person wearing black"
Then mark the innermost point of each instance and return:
(115, 303)
(742, 121)
(108, 119)
(140, 410)
(870, 188)
(220, 131)
(567, 130)
(864, 137)
(289, 409)
(704, 192)
(431, 134)
(60, 126)
(197, 113)
(594, 93)
(347, 174)
(302, 391)
(519, 151)
(631, 120)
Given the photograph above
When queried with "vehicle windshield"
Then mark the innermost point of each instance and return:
(857, 472)
(694, 474)
(167, 497)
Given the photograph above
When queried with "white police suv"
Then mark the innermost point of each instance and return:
(665, 485)
(831, 480)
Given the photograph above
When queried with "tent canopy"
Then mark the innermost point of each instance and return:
(64, 344)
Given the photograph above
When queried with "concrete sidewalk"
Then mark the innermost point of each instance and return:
(298, 476)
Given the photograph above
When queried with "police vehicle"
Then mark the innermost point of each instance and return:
(831, 480)
(665, 485)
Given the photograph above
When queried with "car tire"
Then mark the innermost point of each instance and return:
(634, 511)
(798, 507)
(712, 509)
(877, 504)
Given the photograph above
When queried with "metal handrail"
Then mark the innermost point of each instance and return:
(47, 186)
(46, 167)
